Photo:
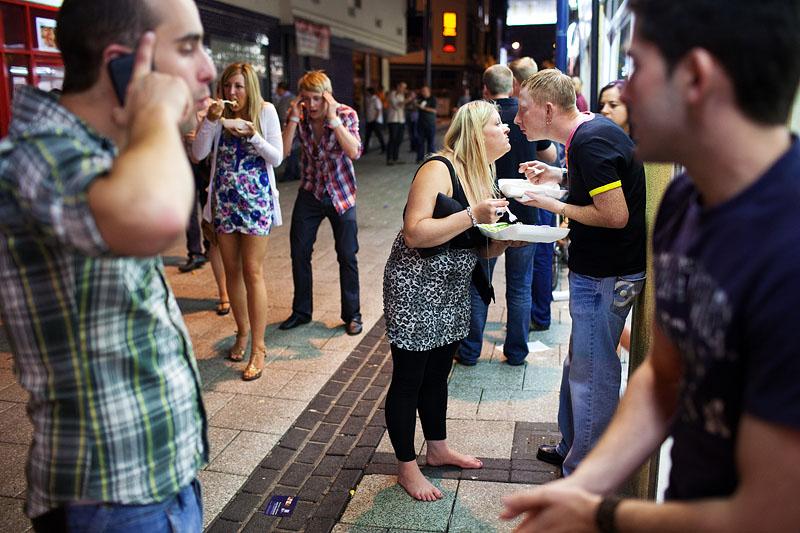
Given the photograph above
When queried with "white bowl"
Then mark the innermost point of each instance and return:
(516, 188)
(522, 232)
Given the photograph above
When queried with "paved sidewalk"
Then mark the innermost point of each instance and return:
(312, 426)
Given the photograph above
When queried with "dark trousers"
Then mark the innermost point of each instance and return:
(306, 217)
(413, 136)
(426, 139)
(395, 139)
(376, 127)
(194, 235)
(419, 383)
(541, 287)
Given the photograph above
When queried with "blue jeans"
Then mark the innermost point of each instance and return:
(519, 270)
(592, 371)
(542, 286)
(307, 216)
(180, 513)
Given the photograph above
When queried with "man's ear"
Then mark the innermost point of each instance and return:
(700, 76)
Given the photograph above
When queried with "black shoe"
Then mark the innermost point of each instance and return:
(193, 263)
(464, 362)
(535, 326)
(354, 327)
(293, 321)
(549, 454)
(390, 162)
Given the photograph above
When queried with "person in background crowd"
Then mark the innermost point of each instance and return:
(91, 192)
(580, 100)
(426, 292)
(498, 81)
(283, 99)
(522, 68)
(291, 164)
(395, 121)
(465, 97)
(611, 105)
(426, 124)
(721, 375)
(374, 119)
(412, 121)
(330, 141)
(244, 139)
(606, 255)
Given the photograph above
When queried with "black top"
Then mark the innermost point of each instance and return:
(427, 118)
(600, 158)
(726, 296)
(522, 150)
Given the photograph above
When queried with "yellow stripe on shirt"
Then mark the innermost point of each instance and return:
(605, 188)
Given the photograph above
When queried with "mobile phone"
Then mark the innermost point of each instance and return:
(120, 69)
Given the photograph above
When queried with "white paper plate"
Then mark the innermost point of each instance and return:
(523, 232)
(516, 188)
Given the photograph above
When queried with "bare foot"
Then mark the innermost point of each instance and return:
(417, 486)
(439, 454)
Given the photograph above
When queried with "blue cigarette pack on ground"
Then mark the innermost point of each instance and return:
(280, 506)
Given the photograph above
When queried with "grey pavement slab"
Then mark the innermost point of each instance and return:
(15, 426)
(478, 506)
(218, 440)
(380, 502)
(12, 465)
(488, 375)
(511, 405)
(218, 489)
(243, 453)
(12, 517)
(254, 413)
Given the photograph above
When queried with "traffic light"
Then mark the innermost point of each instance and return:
(449, 32)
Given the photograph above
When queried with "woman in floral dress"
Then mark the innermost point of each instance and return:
(243, 133)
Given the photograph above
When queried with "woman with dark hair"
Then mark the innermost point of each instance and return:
(243, 133)
(611, 106)
(426, 285)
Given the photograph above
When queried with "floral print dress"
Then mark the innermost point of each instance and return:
(241, 189)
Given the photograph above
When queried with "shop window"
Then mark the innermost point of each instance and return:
(14, 28)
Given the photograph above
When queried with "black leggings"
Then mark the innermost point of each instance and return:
(419, 382)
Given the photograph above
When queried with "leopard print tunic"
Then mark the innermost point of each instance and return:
(426, 301)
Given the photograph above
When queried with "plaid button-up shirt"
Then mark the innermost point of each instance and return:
(325, 167)
(98, 340)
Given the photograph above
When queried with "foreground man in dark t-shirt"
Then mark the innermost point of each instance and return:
(605, 209)
(722, 374)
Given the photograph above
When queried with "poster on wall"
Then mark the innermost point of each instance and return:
(312, 39)
(46, 34)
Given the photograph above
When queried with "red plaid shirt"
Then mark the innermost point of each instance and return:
(325, 167)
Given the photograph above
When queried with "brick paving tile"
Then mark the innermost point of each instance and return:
(493, 463)
(332, 388)
(536, 477)
(337, 414)
(294, 438)
(260, 480)
(329, 466)
(364, 408)
(354, 425)
(383, 457)
(531, 465)
(382, 380)
(260, 523)
(224, 526)
(308, 420)
(320, 403)
(296, 522)
(348, 399)
(278, 458)
(311, 453)
(320, 525)
(386, 368)
(486, 474)
(359, 457)
(368, 371)
(371, 436)
(379, 419)
(314, 488)
(373, 393)
(358, 385)
(342, 445)
(346, 481)
(324, 432)
(377, 358)
(240, 507)
(296, 474)
(351, 363)
(332, 505)
(388, 469)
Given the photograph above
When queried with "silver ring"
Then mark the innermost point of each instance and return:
(498, 212)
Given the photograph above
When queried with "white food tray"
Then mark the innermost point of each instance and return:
(516, 188)
(522, 232)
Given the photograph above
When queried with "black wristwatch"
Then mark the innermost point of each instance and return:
(604, 519)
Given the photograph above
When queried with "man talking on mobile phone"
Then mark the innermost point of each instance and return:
(90, 194)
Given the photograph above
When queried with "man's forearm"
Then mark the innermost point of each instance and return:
(349, 143)
(288, 137)
(711, 516)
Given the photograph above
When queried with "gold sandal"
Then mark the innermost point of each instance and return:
(252, 372)
(236, 353)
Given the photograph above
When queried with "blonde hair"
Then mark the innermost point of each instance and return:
(251, 85)
(523, 68)
(464, 145)
(315, 81)
(551, 85)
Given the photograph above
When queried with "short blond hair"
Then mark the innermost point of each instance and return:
(315, 81)
(523, 68)
(551, 85)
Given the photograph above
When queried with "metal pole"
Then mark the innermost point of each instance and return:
(562, 10)
(595, 54)
(426, 36)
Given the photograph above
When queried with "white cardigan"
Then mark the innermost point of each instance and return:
(270, 149)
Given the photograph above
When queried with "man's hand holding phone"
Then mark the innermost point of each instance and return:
(152, 92)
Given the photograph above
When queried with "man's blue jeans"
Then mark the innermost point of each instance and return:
(519, 272)
(592, 371)
(180, 513)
